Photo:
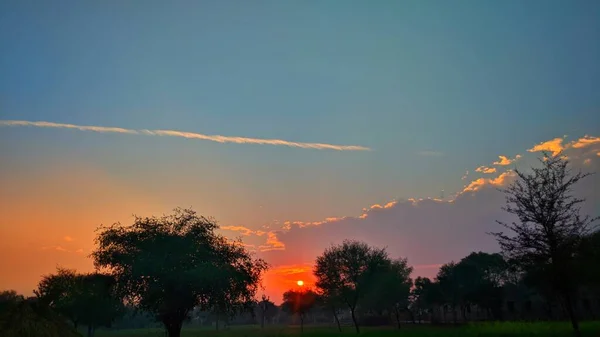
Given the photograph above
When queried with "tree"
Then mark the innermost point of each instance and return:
(88, 299)
(482, 275)
(299, 303)
(21, 316)
(57, 291)
(424, 296)
(169, 265)
(266, 308)
(331, 299)
(549, 228)
(391, 288)
(349, 270)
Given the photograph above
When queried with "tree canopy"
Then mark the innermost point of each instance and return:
(550, 229)
(349, 271)
(168, 265)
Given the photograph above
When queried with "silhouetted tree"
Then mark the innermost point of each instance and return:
(349, 270)
(549, 228)
(20, 317)
(478, 280)
(266, 308)
(331, 300)
(59, 292)
(425, 296)
(390, 289)
(299, 303)
(88, 299)
(171, 264)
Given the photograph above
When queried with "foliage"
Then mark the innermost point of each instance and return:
(171, 264)
(88, 299)
(20, 317)
(299, 303)
(266, 309)
(390, 289)
(349, 270)
(550, 228)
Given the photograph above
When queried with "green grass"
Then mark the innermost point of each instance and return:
(500, 329)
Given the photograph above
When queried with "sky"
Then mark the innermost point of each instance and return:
(295, 124)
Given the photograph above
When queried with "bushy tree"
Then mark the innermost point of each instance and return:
(88, 299)
(21, 317)
(168, 265)
(299, 303)
(266, 309)
(550, 228)
(390, 289)
(349, 270)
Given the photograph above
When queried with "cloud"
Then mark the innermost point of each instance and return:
(68, 239)
(500, 180)
(244, 230)
(506, 161)
(555, 146)
(465, 175)
(272, 243)
(431, 153)
(485, 169)
(188, 135)
(429, 232)
(56, 248)
(585, 142)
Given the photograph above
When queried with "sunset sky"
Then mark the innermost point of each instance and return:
(296, 124)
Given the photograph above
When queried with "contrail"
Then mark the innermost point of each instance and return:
(189, 135)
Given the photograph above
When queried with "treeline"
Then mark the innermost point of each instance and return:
(176, 268)
(551, 252)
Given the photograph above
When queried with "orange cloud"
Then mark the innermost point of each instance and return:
(585, 142)
(477, 184)
(504, 160)
(465, 175)
(272, 243)
(555, 146)
(485, 169)
(68, 239)
(245, 231)
(56, 248)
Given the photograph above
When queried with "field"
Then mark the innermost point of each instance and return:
(546, 329)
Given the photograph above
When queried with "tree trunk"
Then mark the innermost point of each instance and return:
(301, 323)
(337, 320)
(397, 317)
(454, 315)
(463, 308)
(262, 321)
(412, 316)
(90, 331)
(572, 314)
(173, 328)
(354, 320)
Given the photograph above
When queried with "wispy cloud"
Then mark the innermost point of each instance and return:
(68, 239)
(585, 142)
(273, 243)
(485, 169)
(188, 135)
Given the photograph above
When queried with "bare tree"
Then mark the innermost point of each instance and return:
(549, 228)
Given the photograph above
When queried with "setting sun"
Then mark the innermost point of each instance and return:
(300, 283)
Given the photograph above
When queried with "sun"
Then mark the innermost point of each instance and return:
(300, 283)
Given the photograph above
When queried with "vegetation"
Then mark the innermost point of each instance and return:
(170, 265)
(177, 271)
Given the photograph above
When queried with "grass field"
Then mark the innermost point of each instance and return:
(546, 329)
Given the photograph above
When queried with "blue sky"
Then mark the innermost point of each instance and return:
(470, 80)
